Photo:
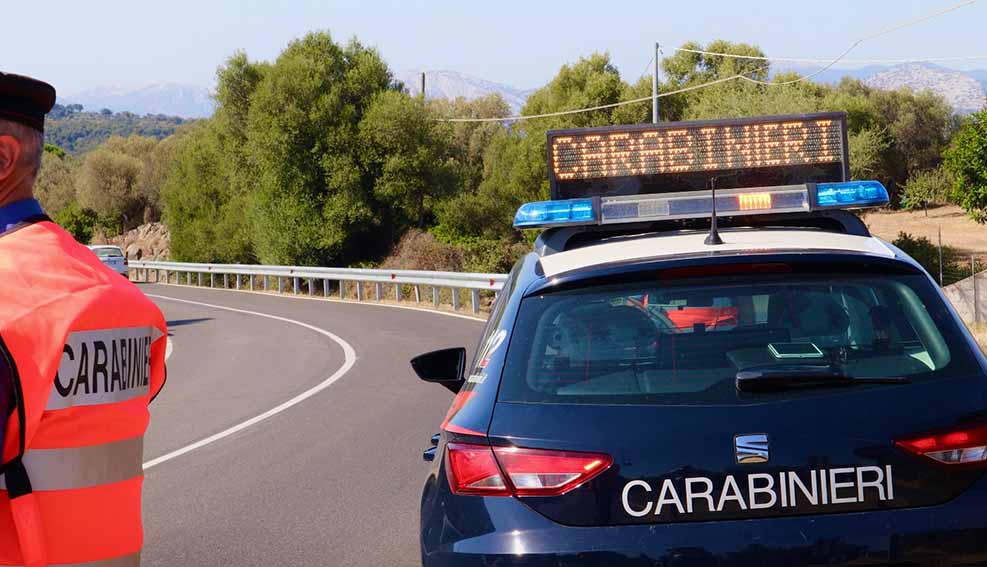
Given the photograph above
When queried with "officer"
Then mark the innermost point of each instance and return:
(81, 357)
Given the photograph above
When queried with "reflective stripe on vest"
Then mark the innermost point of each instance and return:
(132, 560)
(82, 467)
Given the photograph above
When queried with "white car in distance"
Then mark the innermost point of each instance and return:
(113, 257)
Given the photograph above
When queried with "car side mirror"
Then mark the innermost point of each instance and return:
(446, 367)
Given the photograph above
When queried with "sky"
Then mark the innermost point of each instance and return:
(81, 45)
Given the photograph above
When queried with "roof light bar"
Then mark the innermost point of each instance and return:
(699, 204)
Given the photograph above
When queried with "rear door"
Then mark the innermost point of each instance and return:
(644, 370)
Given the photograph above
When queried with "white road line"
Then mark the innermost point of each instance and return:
(169, 348)
(350, 360)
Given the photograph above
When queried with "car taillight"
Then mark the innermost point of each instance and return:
(954, 447)
(473, 469)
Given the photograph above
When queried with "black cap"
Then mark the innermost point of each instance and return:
(25, 100)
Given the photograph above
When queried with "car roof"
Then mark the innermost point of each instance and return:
(735, 242)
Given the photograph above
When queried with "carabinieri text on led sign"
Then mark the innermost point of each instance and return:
(658, 158)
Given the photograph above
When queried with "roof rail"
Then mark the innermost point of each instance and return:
(560, 239)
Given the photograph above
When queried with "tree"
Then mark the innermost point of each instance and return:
(55, 187)
(471, 139)
(312, 203)
(924, 188)
(966, 159)
(109, 184)
(79, 222)
(514, 167)
(205, 214)
(412, 157)
(122, 179)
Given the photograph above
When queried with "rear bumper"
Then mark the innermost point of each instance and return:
(473, 531)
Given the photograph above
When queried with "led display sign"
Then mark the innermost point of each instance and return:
(684, 156)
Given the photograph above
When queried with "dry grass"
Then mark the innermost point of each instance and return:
(958, 230)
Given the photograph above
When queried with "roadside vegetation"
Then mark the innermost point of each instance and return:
(320, 157)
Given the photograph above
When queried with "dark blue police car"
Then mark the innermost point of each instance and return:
(784, 389)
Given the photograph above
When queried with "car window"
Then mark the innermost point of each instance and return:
(108, 253)
(684, 341)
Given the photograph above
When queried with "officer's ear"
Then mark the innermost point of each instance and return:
(10, 155)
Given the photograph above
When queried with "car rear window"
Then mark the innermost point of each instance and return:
(108, 253)
(683, 341)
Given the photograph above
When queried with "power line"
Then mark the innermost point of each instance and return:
(845, 60)
(646, 67)
(739, 76)
(854, 45)
(592, 108)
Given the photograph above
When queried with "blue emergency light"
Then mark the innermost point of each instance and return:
(851, 194)
(699, 204)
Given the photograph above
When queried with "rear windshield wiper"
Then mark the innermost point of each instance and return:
(795, 376)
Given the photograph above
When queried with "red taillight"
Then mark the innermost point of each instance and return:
(956, 447)
(473, 469)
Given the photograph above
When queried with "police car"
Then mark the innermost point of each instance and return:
(681, 379)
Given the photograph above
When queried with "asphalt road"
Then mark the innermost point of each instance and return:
(334, 479)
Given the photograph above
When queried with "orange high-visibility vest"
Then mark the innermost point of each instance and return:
(86, 349)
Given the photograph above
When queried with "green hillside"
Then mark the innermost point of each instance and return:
(78, 131)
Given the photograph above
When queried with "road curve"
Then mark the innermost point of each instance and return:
(332, 480)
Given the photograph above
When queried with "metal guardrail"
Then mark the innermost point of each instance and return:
(454, 281)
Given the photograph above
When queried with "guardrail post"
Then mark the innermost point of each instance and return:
(226, 281)
(238, 281)
(475, 298)
(167, 277)
(359, 291)
(325, 288)
(188, 278)
(212, 279)
(397, 292)
(200, 279)
(296, 285)
(418, 293)
(455, 299)
(435, 296)
(251, 282)
(377, 286)
(342, 289)
(280, 285)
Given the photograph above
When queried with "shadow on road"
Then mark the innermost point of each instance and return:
(183, 322)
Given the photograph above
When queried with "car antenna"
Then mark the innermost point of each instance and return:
(713, 238)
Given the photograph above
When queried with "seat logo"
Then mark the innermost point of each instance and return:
(751, 448)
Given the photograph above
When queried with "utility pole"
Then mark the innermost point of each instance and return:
(654, 88)
(422, 92)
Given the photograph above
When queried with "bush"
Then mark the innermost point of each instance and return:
(926, 253)
(418, 250)
(79, 222)
(932, 187)
(966, 159)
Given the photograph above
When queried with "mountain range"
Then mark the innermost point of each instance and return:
(172, 99)
(966, 91)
